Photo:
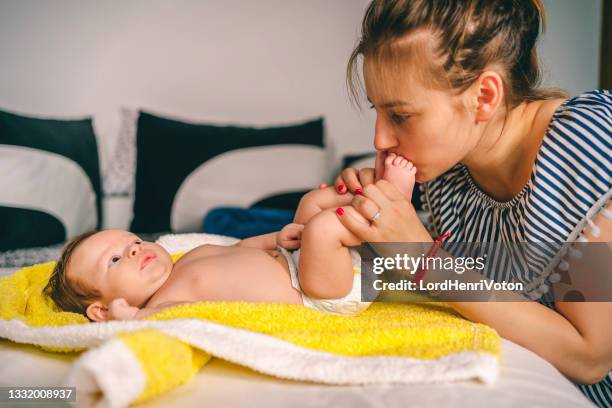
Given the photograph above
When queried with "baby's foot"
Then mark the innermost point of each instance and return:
(400, 172)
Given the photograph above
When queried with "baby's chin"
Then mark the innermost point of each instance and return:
(156, 273)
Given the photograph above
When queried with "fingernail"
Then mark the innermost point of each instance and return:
(358, 191)
(339, 211)
(341, 188)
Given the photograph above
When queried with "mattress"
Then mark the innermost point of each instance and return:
(526, 380)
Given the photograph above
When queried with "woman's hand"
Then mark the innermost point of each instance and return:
(290, 237)
(397, 220)
(354, 180)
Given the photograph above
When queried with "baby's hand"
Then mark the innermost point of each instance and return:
(290, 236)
(119, 309)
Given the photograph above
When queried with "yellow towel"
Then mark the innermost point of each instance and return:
(168, 351)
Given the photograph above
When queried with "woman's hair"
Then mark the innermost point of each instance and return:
(68, 293)
(455, 41)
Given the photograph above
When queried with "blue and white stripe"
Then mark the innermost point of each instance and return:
(572, 175)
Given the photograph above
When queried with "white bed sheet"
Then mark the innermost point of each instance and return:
(7, 271)
(526, 380)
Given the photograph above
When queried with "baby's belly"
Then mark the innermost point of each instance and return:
(236, 274)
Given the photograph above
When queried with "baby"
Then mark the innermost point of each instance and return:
(113, 274)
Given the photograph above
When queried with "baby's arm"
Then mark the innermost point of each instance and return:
(289, 238)
(266, 241)
(311, 204)
(316, 201)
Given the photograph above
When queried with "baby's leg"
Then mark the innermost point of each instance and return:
(401, 173)
(325, 270)
(316, 201)
(398, 171)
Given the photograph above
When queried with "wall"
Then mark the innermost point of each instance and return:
(248, 62)
(569, 49)
(226, 61)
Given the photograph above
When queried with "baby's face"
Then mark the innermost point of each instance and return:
(120, 265)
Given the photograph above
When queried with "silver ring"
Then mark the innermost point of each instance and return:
(375, 217)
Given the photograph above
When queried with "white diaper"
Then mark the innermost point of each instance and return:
(351, 304)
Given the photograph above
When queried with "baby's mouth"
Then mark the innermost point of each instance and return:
(147, 259)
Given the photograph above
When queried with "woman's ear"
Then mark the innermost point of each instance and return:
(97, 312)
(489, 94)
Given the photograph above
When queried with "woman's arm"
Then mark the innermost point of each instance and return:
(578, 341)
(583, 357)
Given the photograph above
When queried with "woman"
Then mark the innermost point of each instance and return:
(454, 86)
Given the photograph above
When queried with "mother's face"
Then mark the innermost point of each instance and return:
(432, 128)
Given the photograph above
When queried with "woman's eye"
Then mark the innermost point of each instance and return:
(399, 119)
(115, 259)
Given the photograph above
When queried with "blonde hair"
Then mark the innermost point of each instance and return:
(464, 37)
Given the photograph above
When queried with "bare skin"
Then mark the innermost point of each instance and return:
(137, 278)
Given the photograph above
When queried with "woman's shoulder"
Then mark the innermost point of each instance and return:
(579, 136)
(588, 115)
(599, 100)
(572, 168)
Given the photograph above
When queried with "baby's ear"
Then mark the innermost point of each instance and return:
(97, 312)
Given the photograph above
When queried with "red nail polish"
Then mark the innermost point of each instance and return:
(358, 191)
(339, 211)
(341, 188)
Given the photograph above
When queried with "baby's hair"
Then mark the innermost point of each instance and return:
(68, 293)
(454, 41)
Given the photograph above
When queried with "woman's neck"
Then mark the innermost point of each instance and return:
(502, 161)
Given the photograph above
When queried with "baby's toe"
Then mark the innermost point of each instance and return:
(389, 159)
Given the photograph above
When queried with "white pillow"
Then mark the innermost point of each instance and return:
(119, 177)
(186, 242)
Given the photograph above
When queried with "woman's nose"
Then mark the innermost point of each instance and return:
(383, 135)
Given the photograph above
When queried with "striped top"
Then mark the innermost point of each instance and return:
(570, 182)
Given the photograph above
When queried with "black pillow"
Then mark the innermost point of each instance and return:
(49, 180)
(171, 155)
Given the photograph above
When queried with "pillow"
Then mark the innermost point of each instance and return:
(246, 222)
(184, 169)
(119, 176)
(49, 180)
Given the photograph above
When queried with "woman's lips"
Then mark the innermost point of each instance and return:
(148, 258)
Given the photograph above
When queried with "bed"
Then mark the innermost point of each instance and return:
(525, 380)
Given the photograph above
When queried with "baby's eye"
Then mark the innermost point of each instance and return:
(114, 259)
(139, 242)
